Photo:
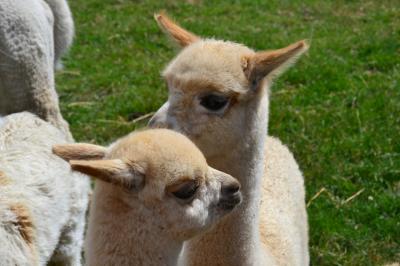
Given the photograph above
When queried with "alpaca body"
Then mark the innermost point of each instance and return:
(28, 31)
(42, 204)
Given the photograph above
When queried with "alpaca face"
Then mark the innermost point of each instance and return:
(215, 86)
(164, 175)
(208, 95)
(191, 202)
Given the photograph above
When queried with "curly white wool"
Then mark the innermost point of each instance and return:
(42, 203)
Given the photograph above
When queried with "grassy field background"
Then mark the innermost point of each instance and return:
(338, 109)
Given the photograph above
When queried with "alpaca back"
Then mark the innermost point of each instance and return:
(27, 57)
(38, 191)
(27, 54)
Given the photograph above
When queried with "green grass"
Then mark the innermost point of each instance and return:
(338, 109)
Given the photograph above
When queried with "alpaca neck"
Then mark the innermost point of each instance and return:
(246, 163)
(122, 233)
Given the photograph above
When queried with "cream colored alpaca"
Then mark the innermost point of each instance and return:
(154, 191)
(34, 34)
(219, 98)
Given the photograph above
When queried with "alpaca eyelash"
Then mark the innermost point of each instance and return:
(213, 102)
(185, 191)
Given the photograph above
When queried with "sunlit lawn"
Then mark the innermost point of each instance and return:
(338, 109)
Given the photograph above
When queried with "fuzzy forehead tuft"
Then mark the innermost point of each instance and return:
(209, 61)
(161, 150)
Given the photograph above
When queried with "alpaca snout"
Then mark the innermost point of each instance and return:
(159, 119)
(155, 122)
(232, 188)
(231, 196)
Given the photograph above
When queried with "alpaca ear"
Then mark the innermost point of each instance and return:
(115, 171)
(178, 34)
(271, 64)
(79, 151)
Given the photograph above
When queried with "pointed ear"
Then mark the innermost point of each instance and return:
(114, 171)
(271, 64)
(79, 151)
(174, 31)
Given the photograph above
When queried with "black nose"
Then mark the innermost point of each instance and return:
(230, 189)
(230, 196)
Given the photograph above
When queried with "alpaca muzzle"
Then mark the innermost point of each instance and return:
(230, 196)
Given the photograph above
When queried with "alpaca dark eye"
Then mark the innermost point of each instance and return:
(214, 102)
(186, 190)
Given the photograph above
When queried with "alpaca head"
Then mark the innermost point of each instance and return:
(215, 85)
(164, 174)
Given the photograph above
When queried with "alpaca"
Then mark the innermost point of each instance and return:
(154, 190)
(42, 203)
(34, 34)
(219, 98)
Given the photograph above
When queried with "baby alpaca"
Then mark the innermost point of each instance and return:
(219, 98)
(42, 203)
(34, 34)
(154, 191)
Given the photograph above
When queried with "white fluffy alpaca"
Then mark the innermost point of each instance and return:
(42, 203)
(219, 98)
(33, 36)
(154, 191)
